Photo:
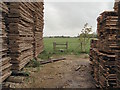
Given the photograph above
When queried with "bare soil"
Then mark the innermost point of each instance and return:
(61, 74)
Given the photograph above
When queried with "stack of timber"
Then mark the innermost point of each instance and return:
(20, 22)
(107, 32)
(38, 28)
(118, 53)
(106, 54)
(94, 60)
(25, 21)
(5, 65)
(116, 5)
(21, 35)
(110, 47)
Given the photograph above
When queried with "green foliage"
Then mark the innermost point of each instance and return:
(35, 63)
(26, 73)
(93, 35)
(45, 55)
(84, 37)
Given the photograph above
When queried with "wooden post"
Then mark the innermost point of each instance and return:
(67, 45)
(54, 46)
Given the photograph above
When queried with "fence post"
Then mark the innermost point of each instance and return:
(67, 45)
(54, 46)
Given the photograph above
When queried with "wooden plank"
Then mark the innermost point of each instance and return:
(2, 78)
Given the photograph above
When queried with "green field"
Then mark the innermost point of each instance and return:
(73, 46)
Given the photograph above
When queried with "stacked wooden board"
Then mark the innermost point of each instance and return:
(23, 40)
(104, 60)
(20, 22)
(118, 53)
(25, 22)
(116, 6)
(94, 60)
(5, 65)
(38, 29)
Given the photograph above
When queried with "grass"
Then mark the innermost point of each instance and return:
(73, 47)
(35, 63)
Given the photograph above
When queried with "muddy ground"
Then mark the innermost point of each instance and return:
(61, 74)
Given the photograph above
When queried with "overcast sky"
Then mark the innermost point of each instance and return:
(68, 18)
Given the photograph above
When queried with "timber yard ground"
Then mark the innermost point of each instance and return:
(74, 72)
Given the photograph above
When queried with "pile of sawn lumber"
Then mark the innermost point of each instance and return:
(118, 43)
(38, 29)
(5, 65)
(104, 52)
(24, 21)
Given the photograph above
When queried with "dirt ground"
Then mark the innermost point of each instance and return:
(61, 74)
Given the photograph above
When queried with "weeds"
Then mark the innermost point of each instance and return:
(35, 63)
(26, 73)
(45, 55)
